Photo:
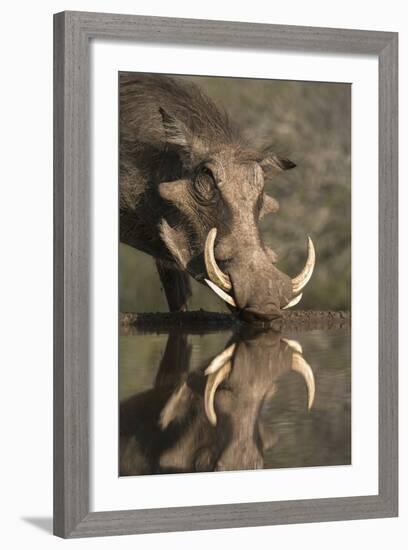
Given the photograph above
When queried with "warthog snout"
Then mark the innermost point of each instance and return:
(250, 282)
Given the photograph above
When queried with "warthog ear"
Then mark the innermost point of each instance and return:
(176, 132)
(275, 163)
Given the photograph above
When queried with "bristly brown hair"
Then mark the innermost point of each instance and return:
(182, 100)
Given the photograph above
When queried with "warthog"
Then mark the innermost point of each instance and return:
(210, 419)
(192, 194)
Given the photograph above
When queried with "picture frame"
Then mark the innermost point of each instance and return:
(73, 32)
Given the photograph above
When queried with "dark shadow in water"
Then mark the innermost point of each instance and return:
(43, 523)
(232, 413)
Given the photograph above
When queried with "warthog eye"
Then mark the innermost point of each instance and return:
(205, 188)
(207, 172)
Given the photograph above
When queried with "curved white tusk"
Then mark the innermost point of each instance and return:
(220, 360)
(294, 344)
(223, 295)
(294, 301)
(302, 367)
(214, 272)
(303, 278)
(213, 381)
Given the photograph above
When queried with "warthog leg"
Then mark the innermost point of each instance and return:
(176, 286)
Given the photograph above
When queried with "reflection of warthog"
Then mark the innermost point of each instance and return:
(192, 194)
(206, 421)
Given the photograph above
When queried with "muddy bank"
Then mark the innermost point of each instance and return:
(199, 321)
(313, 320)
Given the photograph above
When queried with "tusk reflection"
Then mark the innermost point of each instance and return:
(294, 344)
(213, 381)
(220, 360)
(302, 367)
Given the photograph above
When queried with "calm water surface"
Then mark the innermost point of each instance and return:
(271, 400)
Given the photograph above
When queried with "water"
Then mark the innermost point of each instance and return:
(251, 412)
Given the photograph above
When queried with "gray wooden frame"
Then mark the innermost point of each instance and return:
(72, 34)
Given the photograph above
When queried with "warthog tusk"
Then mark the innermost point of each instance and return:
(302, 367)
(220, 360)
(213, 381)
(303, 278)
(226, 297)
(294, 301)
(215, 274)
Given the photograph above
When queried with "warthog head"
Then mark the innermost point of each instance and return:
(220, 197)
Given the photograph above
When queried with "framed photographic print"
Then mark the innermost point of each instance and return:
(225, 274)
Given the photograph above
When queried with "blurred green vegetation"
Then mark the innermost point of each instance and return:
(310, 122)
(140, 356)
